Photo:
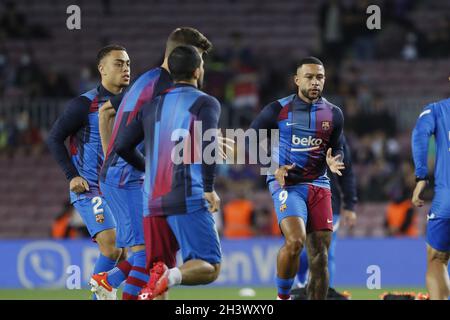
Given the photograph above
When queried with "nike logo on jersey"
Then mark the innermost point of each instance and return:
(431, 216)
(329, 221)
(288, 124)
(424, 113)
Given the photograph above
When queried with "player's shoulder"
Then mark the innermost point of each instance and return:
(444, 103)
(151, 74)
(89, 95)
(208, 98)
(331, 105)
(82, 102)
(283, 101)
(335, 110)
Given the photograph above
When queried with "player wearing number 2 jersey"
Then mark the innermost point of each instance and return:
(79, 123)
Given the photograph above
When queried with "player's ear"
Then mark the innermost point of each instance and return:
(100, 68)
(197, 73)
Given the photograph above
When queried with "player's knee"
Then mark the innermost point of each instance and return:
(319, 262)
(438, 256)
(294, 245)
(213, 274)
(111, 252)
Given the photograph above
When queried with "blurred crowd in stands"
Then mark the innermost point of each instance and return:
(244, 81)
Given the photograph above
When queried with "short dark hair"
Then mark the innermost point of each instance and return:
(186, 36)
(309, 60)
(183, 60)
(103, 52)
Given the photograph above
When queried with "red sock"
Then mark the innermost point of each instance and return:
(125, 267)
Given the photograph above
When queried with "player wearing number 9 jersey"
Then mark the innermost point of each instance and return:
(79, 123)
(310, 131)
(435, 120)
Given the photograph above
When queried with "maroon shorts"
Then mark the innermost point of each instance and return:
(160, 243)
(320, 212)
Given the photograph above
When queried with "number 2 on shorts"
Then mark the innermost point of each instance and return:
(97, 202)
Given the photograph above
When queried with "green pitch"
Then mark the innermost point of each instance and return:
(189, 294)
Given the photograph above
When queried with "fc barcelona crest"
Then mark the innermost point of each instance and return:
(325, 125)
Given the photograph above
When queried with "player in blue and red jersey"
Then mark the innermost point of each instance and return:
(435, 120)
(122, 184)
(178, 192)
(310, 129)
(82, 164)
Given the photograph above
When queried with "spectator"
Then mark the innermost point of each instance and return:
(67, 225)
(12, 22)
(401, 217)
(239, 216)
(332, 30)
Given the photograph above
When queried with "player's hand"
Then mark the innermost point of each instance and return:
(420, 187)
(349, 218)
(334, 163)
(282, 172)
(224, 142)
(78, 185)
(213, 200)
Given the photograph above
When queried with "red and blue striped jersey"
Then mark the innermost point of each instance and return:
(306, 131)
(116, 171)
(172, 187)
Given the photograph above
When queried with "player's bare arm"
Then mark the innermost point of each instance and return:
(106, 118)
(417, 194)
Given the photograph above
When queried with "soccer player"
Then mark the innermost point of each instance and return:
(79, 122)
(435, 120)
(345, 186)
(310, 128)
(178, 192)
(121, 183)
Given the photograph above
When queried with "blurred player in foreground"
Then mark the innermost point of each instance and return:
(79, 122)
(341, 187)
(182, 193)
(310, 131)
(435, 120)
(121, 183)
